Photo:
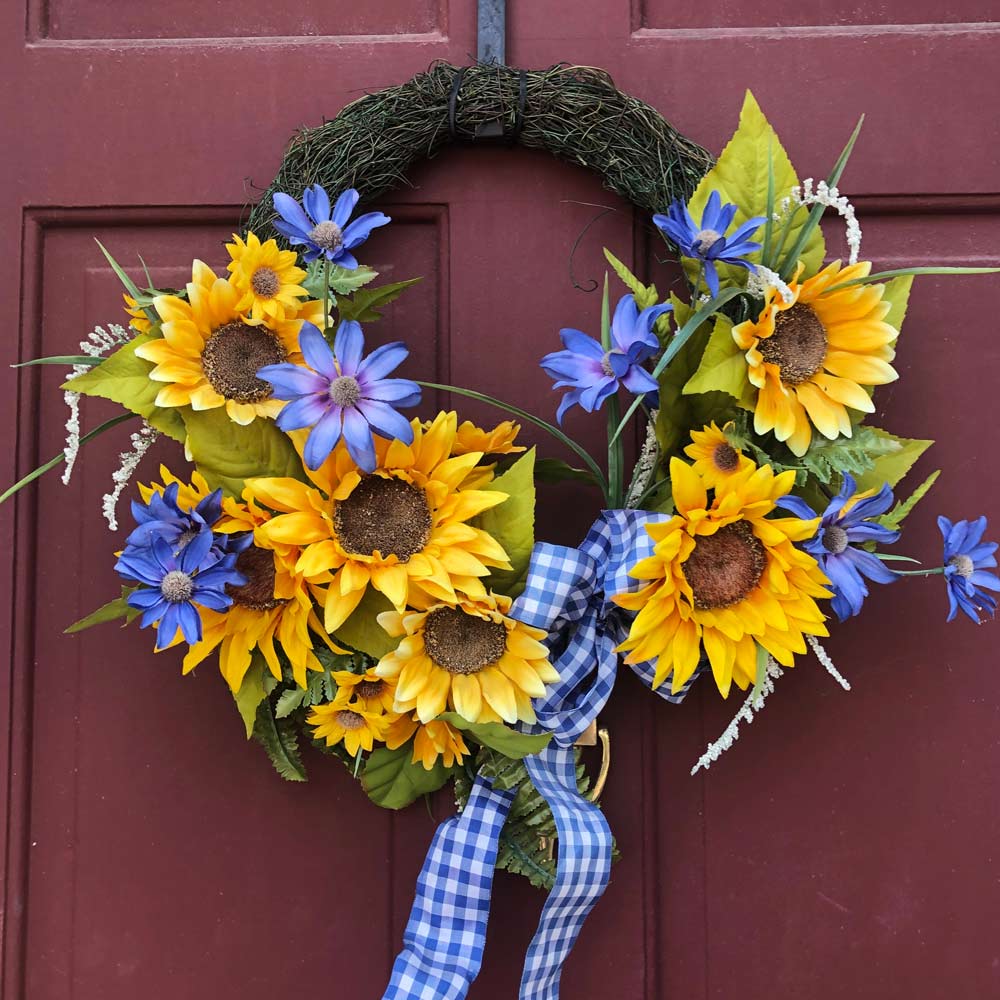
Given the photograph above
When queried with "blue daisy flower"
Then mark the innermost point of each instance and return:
(172, 586)
(323, 231)
(967, 561)
(833, 545)
(592, 374)
(343, 393)
(164, 518)
(709, 242)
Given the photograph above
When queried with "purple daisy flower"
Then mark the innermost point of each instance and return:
(709, 242)
(967, 561)
(323, 231)
(341, 393)
(173, 585)
(833, 545)
(592, 374)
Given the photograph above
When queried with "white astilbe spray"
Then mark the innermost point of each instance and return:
(762, 278)
(830, 197)
(824, 657)
(141, 441)
(98, 342)
(745, 714)
(646, 464)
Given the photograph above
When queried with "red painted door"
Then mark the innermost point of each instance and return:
(845, 848)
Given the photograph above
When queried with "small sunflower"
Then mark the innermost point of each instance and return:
(498, 441)
(273, 606)
(140, 321)
(723, 578)
(209, 357)
(715, 459)
(811, 357)
(344, 720)
(431, 741)
(267, 280)
(402, 529)
(470, 656)
(373, 693)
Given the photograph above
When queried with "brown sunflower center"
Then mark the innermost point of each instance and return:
(257, 594)
(798, 344)
(964, 566)
(371, 689)
(725, 457)
(726, 566)
(347, 719)
(383, 515)
(461, 643)
(232, 357)
(265, 282)
(327, 236)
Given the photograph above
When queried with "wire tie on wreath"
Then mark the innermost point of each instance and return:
(492, 131)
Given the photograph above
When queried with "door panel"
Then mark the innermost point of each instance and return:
(842, 849)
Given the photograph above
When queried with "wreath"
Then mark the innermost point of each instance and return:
(368, 580)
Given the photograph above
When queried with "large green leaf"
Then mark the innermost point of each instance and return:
(512, 523)
(342, 281)
(740, 175)
(362, 630)
(109, 612)
(365, 303)
(251, 692)
(499, 737)
(227, 453)
(899, 456)
(393, 781)
(723, 366)
(903, 508)
(897, 293)
(124, 378)
(280, 738)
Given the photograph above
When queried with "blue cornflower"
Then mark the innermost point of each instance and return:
(164, 518)
(967, 559)
(592, 374)
(709, 242)
(832, 545)
(173, 585)
(325, 232)
(342, 393)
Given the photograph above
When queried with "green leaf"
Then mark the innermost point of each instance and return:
(279, 737)
(292, 699)
(512, 523)
(342, 281)
(124, 379)
(61, 457)
(62, 359)
(129, 285)
(499, 737)
(555, 470)
(723, 366)
(364, 305)
(362, 631)
(896, 459)
(829, 460)
(742, 175)
(393, 781)
(897, 294)
(645, 295)
(761, 676)
(895, 517)
(227, 453)
(251, 692)
(911, 271)
(109, 612)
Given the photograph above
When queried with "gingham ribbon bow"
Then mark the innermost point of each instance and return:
(567, 593)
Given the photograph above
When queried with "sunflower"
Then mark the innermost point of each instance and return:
(274, 605)
(343, 720)
(401, 530)
(715, 459)
(267, 280)
(139, 321)
(372, 692)
(431, 741)
(723, 578)
(810, 357)
(208, 357)
(470, 656)
(498, 441)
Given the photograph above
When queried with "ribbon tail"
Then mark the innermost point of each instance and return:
(444, 938)
(581, 876)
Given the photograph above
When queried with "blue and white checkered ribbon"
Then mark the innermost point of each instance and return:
(567, 593)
